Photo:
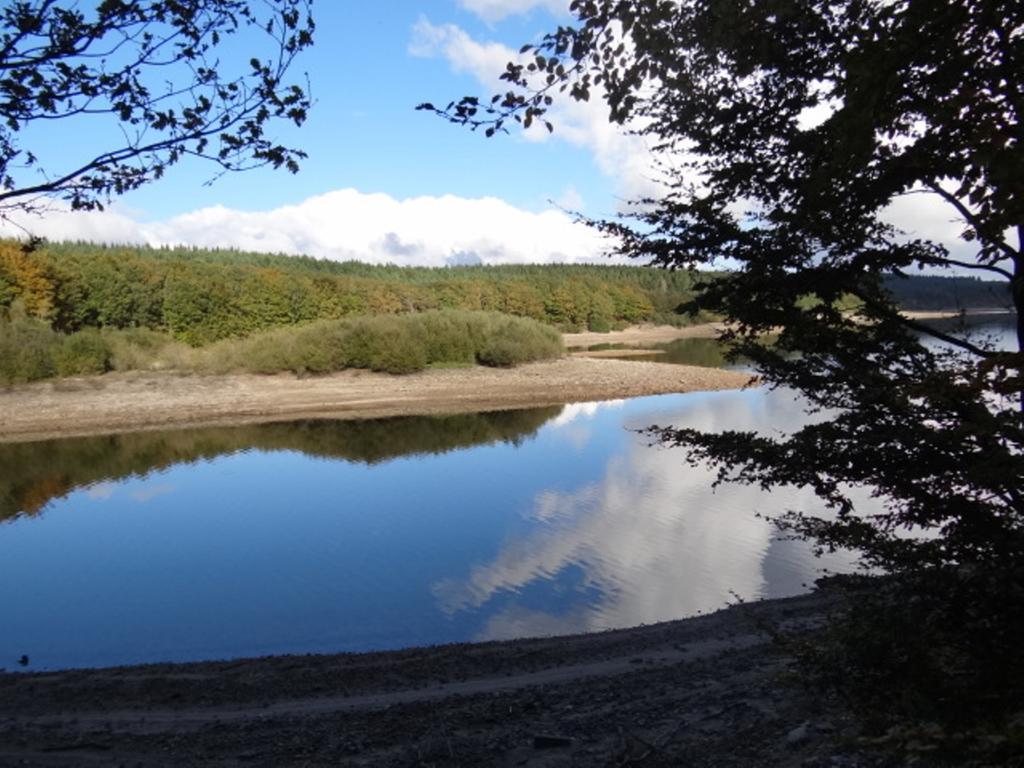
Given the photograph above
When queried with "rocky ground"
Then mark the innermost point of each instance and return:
(714, 690)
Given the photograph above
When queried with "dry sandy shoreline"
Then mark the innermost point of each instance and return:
(643, 334)
(136, 401)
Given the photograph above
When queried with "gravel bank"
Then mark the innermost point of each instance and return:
(707, 691)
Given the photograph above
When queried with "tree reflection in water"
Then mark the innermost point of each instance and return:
(38, 472)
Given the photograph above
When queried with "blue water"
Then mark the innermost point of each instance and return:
(573, 523)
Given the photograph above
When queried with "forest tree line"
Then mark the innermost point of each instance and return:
(201, 296)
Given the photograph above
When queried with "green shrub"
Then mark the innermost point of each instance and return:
(7, 292)
(516, 340)
(135, 349)
(319, 347)
(389, 343)
(384, 343)
(449, 336)
(81, 354)
(26, 349)
(314, 348)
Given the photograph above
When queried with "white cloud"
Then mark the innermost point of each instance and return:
(627, 158)
(620, 155)
(149, 492)
(483, 60)
(922, 214)
(495, 10)
(571, 200)
(348, 224)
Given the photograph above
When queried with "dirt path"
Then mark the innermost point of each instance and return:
(194, 718)
(701, 692)
(124, 402)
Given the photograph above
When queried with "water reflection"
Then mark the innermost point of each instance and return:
(993, 330)
(328, 536)
(651, 540)
(706, 352)
(36, 473)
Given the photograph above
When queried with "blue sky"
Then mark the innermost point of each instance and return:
(384, 182)
(364, 133)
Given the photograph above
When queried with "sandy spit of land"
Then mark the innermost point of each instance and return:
(152, 400)
(643, 334)
(943, 314)
(707, 691)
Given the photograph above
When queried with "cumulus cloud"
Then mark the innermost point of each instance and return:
(464, 54)
(570, 200)
(623, 156)
(348, 224)
(100, 491)
(925, 215)
(628, 158)
(149, 492)
(495, 10)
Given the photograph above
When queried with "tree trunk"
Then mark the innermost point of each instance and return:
(1017, 292)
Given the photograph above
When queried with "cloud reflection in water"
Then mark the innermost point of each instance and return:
(651, 540)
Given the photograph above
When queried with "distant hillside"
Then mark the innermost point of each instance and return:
(921, 292)
(201, 295)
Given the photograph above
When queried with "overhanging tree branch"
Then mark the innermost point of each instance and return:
(975, 222)
(149, 65)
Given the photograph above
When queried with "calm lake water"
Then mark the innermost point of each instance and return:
(324, 536)
(995, 328)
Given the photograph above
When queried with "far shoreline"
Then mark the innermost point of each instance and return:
(151, 400)
(134, 401)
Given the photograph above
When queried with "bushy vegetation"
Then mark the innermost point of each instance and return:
(26, 349)
(30, 349)
(393, 344)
